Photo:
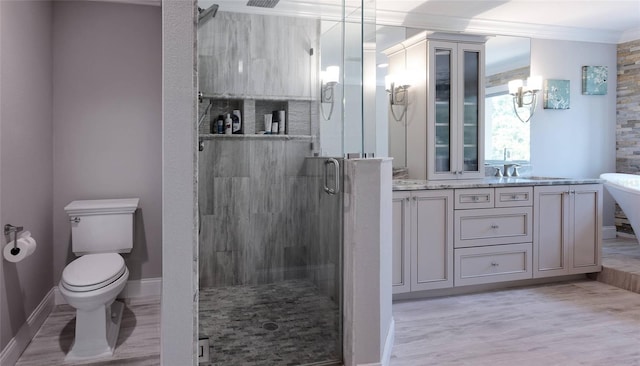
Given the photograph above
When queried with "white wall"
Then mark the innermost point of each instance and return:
(580, 141)
(25, 152)
(107, 115)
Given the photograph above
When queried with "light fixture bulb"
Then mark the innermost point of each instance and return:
(534, 83)
(332, 75)
(514, 86)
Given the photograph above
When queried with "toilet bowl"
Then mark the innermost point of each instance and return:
(90, 284)
(100, 229)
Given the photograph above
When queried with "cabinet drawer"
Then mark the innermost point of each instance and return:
(493, 226)
(473, 198)
(514, 196)
(492, 264)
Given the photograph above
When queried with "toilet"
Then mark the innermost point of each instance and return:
(100, 229)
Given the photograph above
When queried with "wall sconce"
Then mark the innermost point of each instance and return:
(525, 96)
(328, 80)
(398, 89)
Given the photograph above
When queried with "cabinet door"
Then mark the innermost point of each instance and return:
(550, 231)
(470, 106)
(432, 246)
(455, 110)
(441, 111)
(401, 272)
(586, 222)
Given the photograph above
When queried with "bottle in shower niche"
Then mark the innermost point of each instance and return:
(228, 122)
(236, 122)
(275, 122)
(220, 125)
(283, 125)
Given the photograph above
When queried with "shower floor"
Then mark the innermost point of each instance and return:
(284, 323)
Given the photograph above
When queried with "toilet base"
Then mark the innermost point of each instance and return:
(96, 332)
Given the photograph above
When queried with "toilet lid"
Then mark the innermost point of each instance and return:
(92, 271)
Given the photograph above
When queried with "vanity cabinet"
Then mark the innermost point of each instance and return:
(493, 234)
(567, 229)
(443, 129)
(458, 237)
(422, 240)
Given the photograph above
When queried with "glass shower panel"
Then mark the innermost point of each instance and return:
(270, 236)
(443, 109)
(471, 110)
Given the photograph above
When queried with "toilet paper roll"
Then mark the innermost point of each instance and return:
(25, 247)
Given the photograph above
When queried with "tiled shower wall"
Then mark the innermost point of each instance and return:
(628, 118)
(260, 203)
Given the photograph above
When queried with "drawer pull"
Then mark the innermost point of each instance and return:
(494, 264)
(514, 197)
(494, 226)
(475, 198)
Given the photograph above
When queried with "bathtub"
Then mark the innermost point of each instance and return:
(625, 189)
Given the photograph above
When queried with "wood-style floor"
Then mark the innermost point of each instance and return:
(575, 323)
(138, 342)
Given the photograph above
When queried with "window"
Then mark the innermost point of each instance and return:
(505, 131)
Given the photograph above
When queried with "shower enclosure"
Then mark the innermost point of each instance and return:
(271, 204)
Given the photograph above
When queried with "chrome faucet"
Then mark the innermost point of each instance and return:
(511, 173)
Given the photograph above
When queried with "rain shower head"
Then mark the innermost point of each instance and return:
(207, 14)
(263, 3)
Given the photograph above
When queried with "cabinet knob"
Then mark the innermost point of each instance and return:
(494, 264)
(494, 226)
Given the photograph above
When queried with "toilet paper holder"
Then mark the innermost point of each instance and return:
(15, 230)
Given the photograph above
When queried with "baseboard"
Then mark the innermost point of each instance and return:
(145, 287)
(608, 232)
(11, 353)
(388, 344)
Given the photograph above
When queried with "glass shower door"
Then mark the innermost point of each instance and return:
(270, 243)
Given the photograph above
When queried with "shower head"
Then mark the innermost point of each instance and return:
(207, 14)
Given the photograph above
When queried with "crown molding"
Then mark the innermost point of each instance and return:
(630, 35)
(492, 27)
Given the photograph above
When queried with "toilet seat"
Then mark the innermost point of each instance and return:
(92, 271)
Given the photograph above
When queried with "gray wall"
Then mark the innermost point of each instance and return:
(25, 155)
(107, 105)
(580, 141)
(179, 191)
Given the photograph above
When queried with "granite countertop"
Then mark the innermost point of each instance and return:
(417, 184)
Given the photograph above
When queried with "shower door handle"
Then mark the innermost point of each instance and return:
(336, 176)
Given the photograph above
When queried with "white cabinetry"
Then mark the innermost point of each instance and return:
(461, 237)
(493, 234)
(401, 268)
(451, 101)
(423, 222)
(567, 229)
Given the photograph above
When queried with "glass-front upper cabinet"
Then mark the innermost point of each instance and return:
(454, 110)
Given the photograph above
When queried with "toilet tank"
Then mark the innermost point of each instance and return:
(102, 226)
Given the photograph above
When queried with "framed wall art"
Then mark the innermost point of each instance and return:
(557, 94)
(594, 80)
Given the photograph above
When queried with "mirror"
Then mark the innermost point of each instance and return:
(506, 137)
(506, 58)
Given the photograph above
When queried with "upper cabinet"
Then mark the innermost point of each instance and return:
(259, 56)
(445, 110)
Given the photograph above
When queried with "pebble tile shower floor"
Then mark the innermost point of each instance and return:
(239, 322)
